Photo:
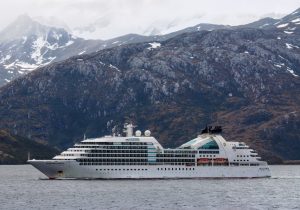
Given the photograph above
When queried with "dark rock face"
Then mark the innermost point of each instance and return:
(14, 149)
(244, 79)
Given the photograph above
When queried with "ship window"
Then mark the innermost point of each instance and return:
(210, 145)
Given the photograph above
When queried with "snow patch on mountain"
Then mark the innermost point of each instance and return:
(114, 67)
(26, 66)
(37, 54)
(283, 25)
(69, 43)
(296, 20)
(154, 45)
(24, 39)
(292, 72)
(7, 57)
(290, 46)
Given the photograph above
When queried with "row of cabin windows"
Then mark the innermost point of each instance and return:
(175, 169)
(240, 147)
(113, 147)
(114, 143)
(240, 160)
(244, 164)
(180, 151)
(175, 155)
(135, 163)
(208, 152)
(139, 149)
(175, 160)
(99, 163)
(136, 160)
(179, 154)
(115, 155)
(242, 155)
(136, 155)
(207, 155)
(118, 151)
(121, 169)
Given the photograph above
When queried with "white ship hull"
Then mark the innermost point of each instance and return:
(58, 169)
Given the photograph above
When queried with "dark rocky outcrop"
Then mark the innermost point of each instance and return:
(14, 149)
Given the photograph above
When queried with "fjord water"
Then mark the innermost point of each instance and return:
(23, 187)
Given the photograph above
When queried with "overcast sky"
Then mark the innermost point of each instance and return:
(125, 16)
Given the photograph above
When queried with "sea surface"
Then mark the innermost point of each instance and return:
(23, 187)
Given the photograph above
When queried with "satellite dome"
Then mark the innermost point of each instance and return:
(138, 133)
(147, 133)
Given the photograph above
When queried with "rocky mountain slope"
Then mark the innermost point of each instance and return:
(26, 44)
(245, 79)
(14, 149)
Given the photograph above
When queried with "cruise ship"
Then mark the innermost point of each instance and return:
(137, 156)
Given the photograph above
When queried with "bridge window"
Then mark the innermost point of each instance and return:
(210, 145)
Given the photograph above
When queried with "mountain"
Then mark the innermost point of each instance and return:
(14, 149)
(26, 44)
(262, 23)
(245, 79)
(290, 24)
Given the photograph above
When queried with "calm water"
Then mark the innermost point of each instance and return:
(23, 187)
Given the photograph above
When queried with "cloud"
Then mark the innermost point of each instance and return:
(136, 16)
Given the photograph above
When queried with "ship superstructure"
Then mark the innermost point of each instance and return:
(142, 156)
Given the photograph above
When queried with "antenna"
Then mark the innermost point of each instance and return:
(28, 156)
(84, 137)
(128, 129)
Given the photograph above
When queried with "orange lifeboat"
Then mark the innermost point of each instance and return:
(220, 160)
(203, 160)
